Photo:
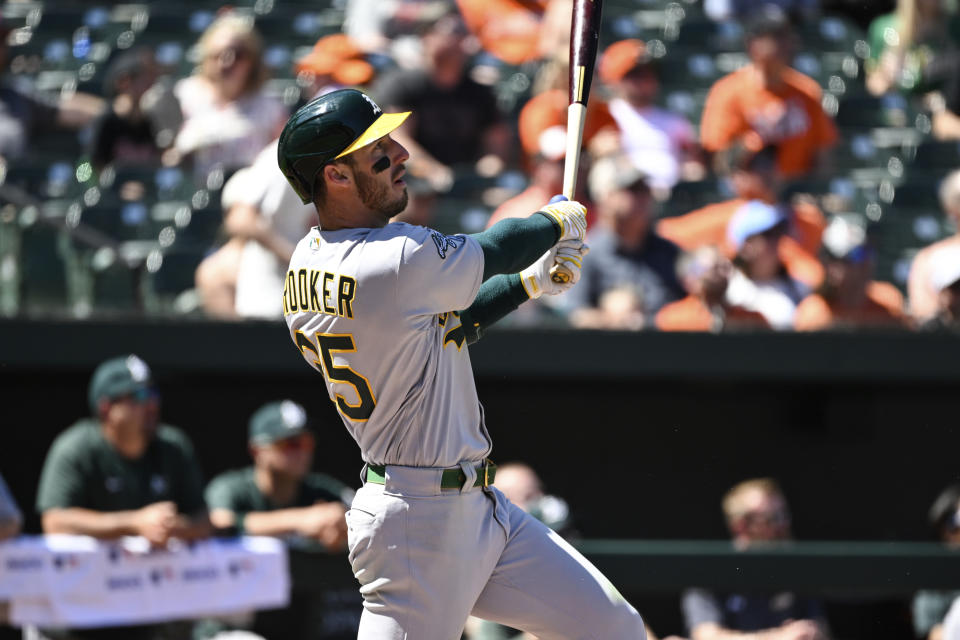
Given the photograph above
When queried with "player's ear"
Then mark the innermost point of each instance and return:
(337, 175)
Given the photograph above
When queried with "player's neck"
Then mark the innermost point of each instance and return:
(334, 216)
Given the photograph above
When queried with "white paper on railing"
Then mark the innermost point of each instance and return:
(74, 581)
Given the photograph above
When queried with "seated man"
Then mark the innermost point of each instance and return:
(629, 261)
(121, 473)
(753, 175)
(849, 297)
(756, 513)
(767, 103)
(705, 274)
(280, 496)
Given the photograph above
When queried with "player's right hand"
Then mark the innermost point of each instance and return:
(536, 278)
(570, 216)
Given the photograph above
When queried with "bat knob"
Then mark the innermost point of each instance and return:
(559, 275)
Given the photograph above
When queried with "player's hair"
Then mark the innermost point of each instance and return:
(320, 185)
(243, 29)
(733, 499)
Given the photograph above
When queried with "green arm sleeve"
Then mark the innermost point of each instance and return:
(497, 297)
(512, 245)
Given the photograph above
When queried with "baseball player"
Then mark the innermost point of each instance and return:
(385, 312)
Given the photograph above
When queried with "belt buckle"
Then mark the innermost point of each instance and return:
(487, 463)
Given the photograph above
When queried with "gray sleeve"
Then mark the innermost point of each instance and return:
(438, 273)
(699, 607)
(8, 507)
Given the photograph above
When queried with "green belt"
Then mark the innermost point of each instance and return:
(452, 478)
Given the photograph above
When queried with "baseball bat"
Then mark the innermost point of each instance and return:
(584, 38)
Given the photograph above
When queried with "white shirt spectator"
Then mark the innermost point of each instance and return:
(229, 134)
(776, 300)
(260, 276)
(654, 139)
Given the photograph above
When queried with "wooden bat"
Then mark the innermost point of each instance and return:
(584, 38)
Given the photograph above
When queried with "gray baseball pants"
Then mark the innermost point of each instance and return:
(427, 558)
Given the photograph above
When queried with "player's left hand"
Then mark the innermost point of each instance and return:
(536, 278)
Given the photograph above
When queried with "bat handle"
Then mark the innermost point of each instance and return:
(560, 274)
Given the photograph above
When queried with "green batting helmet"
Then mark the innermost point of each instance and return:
(328, 128)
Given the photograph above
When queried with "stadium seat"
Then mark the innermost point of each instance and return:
(935, 154)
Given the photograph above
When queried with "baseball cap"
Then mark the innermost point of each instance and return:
(277, 421)
(337, 56)
(612, 173)
(621, 57)
(771, 20)
(118, 377)
(750, 219)
(945, 268)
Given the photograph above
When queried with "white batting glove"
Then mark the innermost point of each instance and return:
(536, 278)
(571, 216)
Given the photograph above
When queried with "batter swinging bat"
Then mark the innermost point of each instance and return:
(584, 35)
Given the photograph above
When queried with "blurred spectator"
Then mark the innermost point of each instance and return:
(920, 291)
(129, 132)
(756, 513)
(705, 273)
(280, 496)
(760, 281)
(228, 118)
(912, 48)
(741, 10)
(930, 607)
(508, 29)
(951, 624)
(753, 176)
(264, 218)
(335, 62)
(661, 144)
(392, 28)
(849, 297)
(631, 270)
(945, 280)
(121, 473)
(455, 121)
(24, 111)
(768, 103)
(543, 138)
(10, 517)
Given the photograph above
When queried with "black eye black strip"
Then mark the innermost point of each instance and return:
(381, 165)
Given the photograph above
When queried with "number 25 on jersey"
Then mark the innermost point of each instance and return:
(326, 345)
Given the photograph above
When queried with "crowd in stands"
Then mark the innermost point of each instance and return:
(797, 155)
(123, 472)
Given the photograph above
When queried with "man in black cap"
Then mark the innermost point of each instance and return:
(280, 496)
(120, 473)
(385, 312)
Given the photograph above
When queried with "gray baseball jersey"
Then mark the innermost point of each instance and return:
(374, 311)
